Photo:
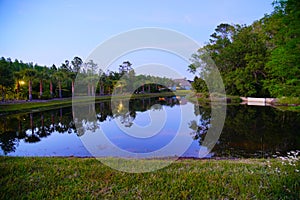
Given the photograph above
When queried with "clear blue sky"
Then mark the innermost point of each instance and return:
(50, 31)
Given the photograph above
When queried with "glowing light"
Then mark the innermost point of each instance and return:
(21, 82)
(120, 107)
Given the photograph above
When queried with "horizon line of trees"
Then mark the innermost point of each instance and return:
(260, 60)
(27, 81)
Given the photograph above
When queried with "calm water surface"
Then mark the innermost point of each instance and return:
(249, 131)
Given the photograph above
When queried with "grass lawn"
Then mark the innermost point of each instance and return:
(289, 103)
(51, 104)
(205, 99)
(87, 178)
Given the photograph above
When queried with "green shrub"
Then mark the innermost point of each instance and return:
(289, 100)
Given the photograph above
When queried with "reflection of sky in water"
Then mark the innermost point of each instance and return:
(131, 139)
(175, 133)
(248, 132)
(142, 120)
(151, 131)
(57, 144)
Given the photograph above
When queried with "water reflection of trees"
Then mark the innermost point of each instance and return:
(200, 127)
(248, 131)
(251, 131)
(125, 110)
(33, 127)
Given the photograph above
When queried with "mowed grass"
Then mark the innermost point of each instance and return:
(88, 178)
(57, 103)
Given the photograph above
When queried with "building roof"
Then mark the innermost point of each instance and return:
(182, 82)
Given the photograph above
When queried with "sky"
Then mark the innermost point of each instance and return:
(51, 31)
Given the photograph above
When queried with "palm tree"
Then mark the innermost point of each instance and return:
(52, 71)
(51, 86)
(91, 80)
(102, 82)
(59, 76)
(42, 75)
(29, 74)
(92, 77)
(72, 76)
(77, 64)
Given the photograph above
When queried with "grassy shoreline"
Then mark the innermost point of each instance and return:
(77, 178)
(289, 104)
(283, 103)
(11, 108)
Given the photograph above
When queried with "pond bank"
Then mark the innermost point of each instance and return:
(10, 107)
(283, 103)
(78, 178)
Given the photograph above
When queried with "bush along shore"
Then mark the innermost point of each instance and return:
(88, 178)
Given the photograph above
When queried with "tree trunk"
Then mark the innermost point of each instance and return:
(89, 94)
(19, 127)
(52, 119)
(143, 103)
(51, 89)
(43, 121)
(41, 88)
(30, 90)
(31, 123)
(101, 89)
(93, 90)
(73, 89)
(43, 124)
(59, 88)
(60, 115)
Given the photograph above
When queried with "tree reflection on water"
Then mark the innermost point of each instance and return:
(248, 131)
(33, 127)
(251, 131)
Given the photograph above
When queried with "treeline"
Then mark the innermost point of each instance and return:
(260, 60)
(28, 81)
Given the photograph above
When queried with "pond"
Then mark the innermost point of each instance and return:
(139, 127)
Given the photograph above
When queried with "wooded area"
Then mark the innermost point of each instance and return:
(260, 60)
(27, 81)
